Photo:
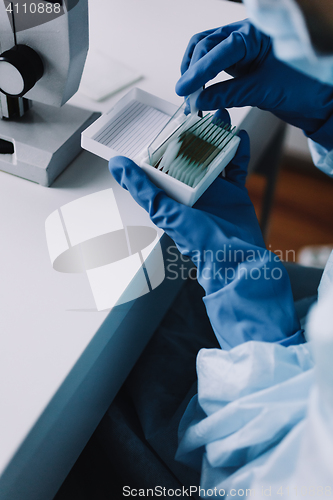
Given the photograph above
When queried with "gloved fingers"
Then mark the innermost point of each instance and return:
(223, 116)
(210, 38)
(236, 171)
(235, 93)
(178, 221)
(210, 59)
(195, 39)
(132, 178)
(205, 45)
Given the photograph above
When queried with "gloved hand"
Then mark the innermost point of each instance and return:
(248, 294)
(260, 80)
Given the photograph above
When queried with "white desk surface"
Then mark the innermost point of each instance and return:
(47, 319)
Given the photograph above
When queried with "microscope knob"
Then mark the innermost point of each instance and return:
(20, 69)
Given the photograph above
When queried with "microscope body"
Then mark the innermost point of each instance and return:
(43, 48)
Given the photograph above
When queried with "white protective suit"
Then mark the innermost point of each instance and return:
(261, 424)
(263, 416)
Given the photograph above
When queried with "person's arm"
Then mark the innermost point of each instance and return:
(248, 293)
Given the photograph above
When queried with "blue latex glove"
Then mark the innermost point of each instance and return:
(240, 306)
(259, 80)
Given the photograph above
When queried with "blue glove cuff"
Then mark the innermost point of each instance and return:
(295, 339)
(324, 135)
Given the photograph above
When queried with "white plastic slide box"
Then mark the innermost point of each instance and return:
(133, 124)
